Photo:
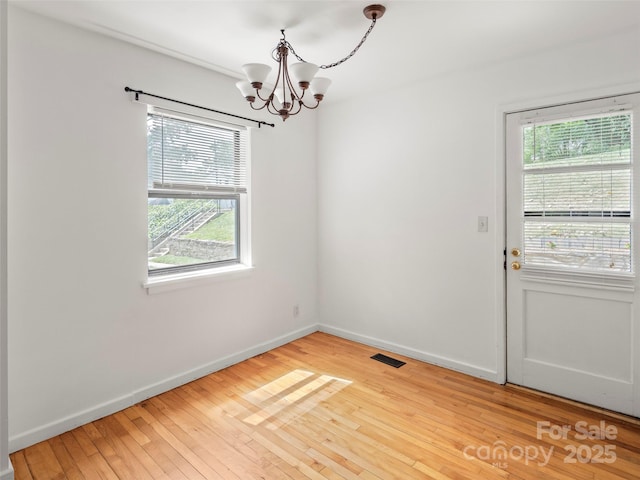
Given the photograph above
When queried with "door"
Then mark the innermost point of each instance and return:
(572, 254)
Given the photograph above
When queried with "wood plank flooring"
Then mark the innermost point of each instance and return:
(319, 408)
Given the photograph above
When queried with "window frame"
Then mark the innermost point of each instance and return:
(180, 273)
(513, 121)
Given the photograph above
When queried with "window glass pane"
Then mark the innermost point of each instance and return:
(191, 231)
(604, 139)
(578, 193)
(587, 245)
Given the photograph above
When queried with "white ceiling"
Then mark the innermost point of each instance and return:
(414, 40)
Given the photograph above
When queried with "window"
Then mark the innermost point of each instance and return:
(197, 193)
(577, 193)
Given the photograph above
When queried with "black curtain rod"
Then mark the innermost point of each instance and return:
(140, 92)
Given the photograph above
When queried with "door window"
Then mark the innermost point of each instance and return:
(577, 197)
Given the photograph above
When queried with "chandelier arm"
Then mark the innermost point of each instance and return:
(258, 108)
(304, 104)
(341, 61)
(281, 49)
(294, 93)
(314, 107)
(271, 109)
(286, 81)
(260, 96)
(300, 105)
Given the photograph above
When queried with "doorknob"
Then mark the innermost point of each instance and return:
(515, 252)
(515, 265)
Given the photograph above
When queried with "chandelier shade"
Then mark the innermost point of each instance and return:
(320, 85)
(290, 93)
(303, 73)
(246, 89)
(256, 72)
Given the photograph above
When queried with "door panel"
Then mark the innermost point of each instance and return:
(571, 271)
(578, 340)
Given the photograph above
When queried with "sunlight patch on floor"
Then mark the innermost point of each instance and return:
(291, 396)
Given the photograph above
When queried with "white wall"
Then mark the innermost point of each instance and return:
(403, 177)
(85, 338)
(401, 180)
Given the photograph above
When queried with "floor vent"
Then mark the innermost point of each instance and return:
(388, 360)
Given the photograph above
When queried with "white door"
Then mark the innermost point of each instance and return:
(572, 254)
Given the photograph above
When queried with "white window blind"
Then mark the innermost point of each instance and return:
(189, 155)
(577, 193)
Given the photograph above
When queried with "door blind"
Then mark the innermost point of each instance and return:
(577, 193)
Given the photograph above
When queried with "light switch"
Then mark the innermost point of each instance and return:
(483, 224)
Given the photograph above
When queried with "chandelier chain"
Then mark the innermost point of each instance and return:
(339, 62)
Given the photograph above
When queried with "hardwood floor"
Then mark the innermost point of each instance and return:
(320, 408)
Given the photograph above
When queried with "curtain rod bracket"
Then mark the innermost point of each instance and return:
(137, 92)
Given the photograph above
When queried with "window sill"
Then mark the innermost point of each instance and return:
(166, 283)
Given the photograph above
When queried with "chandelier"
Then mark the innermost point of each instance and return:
(284, 99)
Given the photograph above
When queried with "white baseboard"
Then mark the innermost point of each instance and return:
(8, 473)
(449, 363)
(31, 437)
